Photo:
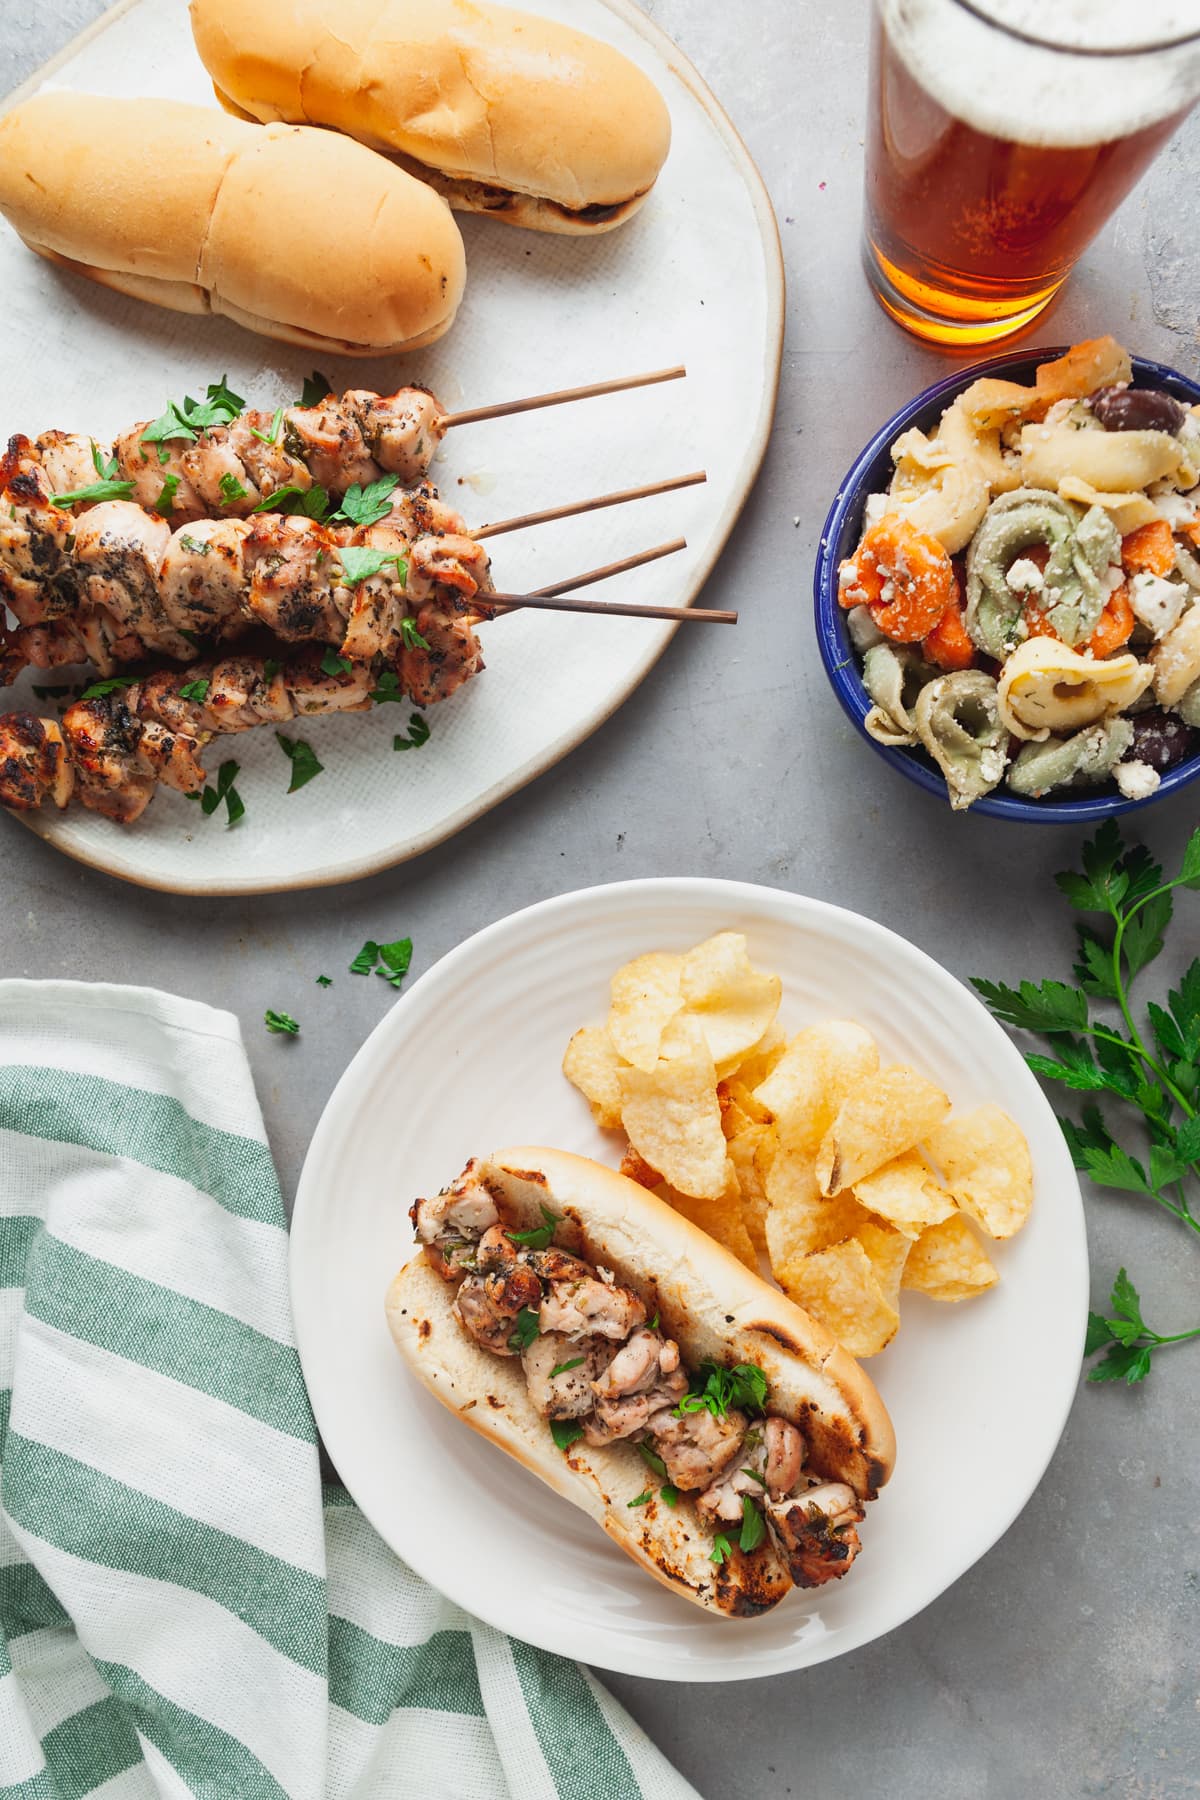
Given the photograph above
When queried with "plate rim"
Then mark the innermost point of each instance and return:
(647, 1662)
(122, 868)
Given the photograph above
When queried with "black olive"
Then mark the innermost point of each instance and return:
(1162, 740)
(1137, 409)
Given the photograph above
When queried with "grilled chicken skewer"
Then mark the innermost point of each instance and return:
(121, 585)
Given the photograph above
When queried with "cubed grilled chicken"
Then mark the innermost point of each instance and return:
(643, 1379)
(118, 760)
(34, 764)
(202, 582)
(69, 460)
(815, 1530)
(35, 538)
(289, 562)
(583, 1306)
(219, 474)
(401, 430)
(329, 442)
(769, 1463)
(450, 1224)
(697, 1446)
(119, 550)
(508, 1280)
(159, 476)
(376, 607)
(269, 464)
(566, 1394)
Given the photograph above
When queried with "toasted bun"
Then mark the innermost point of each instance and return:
(294, 233)
(714, 1308)
(504, 112)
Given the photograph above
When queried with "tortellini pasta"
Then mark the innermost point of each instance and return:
(934, 493)
(958, 721)
(1176, 659)
(1072, 594)
(1079, 761)
(893, 676)
(1114, 461)
(1045, 688)
(1127, 511)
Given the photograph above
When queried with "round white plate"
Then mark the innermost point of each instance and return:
(469, 1062)
(695, 278)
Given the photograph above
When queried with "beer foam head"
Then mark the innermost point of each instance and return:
(994, 80)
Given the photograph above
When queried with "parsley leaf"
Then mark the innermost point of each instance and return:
(112, 684)
(91, 496)
(1049, 1006)
(565, 1432)
(753, 1530)
(186, 419)
(280, 1022)
(211, 798)
(410, 637)
(164, 506)
(418, 733)
(333, 664)
(316, 388)
(231, 489)
(359, 563)
(639, 1499)
(303, 760)
(717, 1390)
(525, 1329)
(652, 1459)
(561, 1368)
(366, 959)
(308, 503)
(538, 1237)
(195, 690)
(668, 1494)
(271, 434)
(396, 959)
(367, 505)
(722, 1549)
(324, 981)
(388, 688)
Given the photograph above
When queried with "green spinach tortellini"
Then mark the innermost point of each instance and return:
(1072, 591)
(958, 721)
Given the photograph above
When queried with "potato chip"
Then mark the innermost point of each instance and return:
(905, 1193)
(948, 1262)
(645, 997)
(672, 1116)
(888, 1252)
(720, 1217)
(636, 1168)
(734, 1002)
(839, 1288)
(742, 1148)
(799, 1220)
(757, 1064)
(736, 1098)
(818, 1070)
(884, 1116)
(985, 1160)
(593, 1066)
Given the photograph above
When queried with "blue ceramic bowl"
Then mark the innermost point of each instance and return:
(871, 473)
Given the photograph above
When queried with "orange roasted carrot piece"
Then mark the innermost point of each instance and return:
(1114, 627)
(1149, 550)
(949, 645)
(903, 575)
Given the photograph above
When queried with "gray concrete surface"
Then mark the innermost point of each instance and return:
(1066, 1662)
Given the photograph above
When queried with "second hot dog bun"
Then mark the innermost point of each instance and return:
(713, 1307)
(504, 112)
(295, 233)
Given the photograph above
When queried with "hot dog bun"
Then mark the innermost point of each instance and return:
(711, 1305)
(298, 234)
(504, 112)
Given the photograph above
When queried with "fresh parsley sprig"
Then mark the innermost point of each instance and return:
(212, 797)
(303, 759)
(394, 959)
(717, 1389)
(538, 1237)
(1153, 1067)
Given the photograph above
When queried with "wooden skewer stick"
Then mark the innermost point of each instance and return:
(559, 398)
(582, 506)
(556, 599)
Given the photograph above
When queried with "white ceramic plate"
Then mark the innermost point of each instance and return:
(695, 278)
(468, 1062)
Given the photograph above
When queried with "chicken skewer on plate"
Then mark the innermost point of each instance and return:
(122, 586)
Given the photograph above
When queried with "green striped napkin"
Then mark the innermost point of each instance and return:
(183, 1611)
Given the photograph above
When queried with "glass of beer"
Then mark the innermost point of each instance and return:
(1002, 134)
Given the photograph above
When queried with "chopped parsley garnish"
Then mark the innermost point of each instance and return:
(197, 546)
(271, 434)
(280, 1022)
(111, 685)
(367, 505)
(561, 1368)
(211, 798)
(232, 489)
(359, 564)
(333, 664)
(303, 759)
(388, 688)
(753, 1529)
(188, 418)
(410, 637)
(105, 470)
(722, 1549)
(271, 669)
(191, 636)
(395, 958)
(164, 506)
(525, 1329)
(195, 690)
(717, 1389)
(539, 1237)
(316, 388)
(639, 1499)
(99, 490)
(653, 1325)
(668, 1493)
(324, 981)
(418, 733)
(308, 503)
(565, 1432)
(652, 1459)
(755, 1476)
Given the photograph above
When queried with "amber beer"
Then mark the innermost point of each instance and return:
(994, 156)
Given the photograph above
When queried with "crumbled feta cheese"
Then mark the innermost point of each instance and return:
(1114, 577)
(1024, 576)
(1059, 411)
(1136, 780)
(875, 509)
(1176, 508)
(887, 593)
(1157, 602)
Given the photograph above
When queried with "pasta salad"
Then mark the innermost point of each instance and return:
(1026, 596)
